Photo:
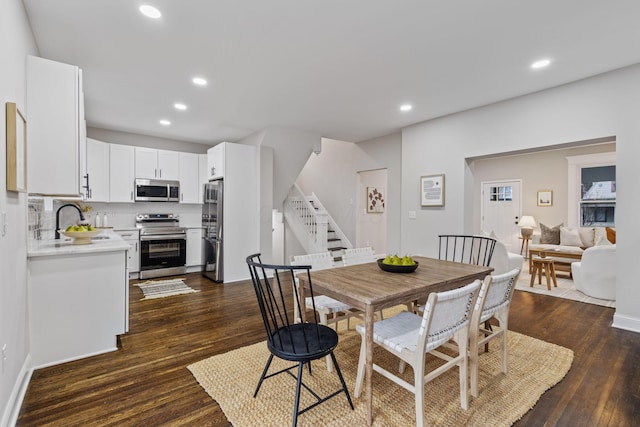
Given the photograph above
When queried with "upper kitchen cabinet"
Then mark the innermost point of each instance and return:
(157, 164)
(121, 173)
(97, 176)
(203, 175)
(55, 116)
(189, 178)
(215, 161)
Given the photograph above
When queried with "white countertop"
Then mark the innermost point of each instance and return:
(109, 242)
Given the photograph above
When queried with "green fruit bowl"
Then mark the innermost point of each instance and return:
(81, 237)
(397, 268)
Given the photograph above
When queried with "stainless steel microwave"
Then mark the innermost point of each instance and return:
(155, 190)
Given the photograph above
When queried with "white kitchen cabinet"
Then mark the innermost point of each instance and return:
(132, 237)
(97, 176)
(215, 161)
(78, 305)
(203, 177)
(121, 173)
(157, 164)
(194, 246)
(189, 178)
(55, 117)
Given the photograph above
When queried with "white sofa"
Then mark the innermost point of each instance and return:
(573, 240)
(595, 275)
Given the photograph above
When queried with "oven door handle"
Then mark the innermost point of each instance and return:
(163, 237)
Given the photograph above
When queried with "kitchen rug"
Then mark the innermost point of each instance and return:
(534, 367)
(164, 288)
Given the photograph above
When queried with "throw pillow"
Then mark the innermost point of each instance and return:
(602, 241)
(570, 237)
(550, 236)
(611, 234)
(587, 235)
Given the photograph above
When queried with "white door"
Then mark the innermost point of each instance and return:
(501, 208)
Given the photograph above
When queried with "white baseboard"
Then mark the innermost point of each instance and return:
(625, 322)
(12, 410)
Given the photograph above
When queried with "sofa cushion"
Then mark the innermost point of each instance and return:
(603, 241)
(570, 237)
(587, 235)
(550, 235)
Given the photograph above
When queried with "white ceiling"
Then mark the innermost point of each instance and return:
(339, 68)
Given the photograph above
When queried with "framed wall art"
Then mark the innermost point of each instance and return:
(16, 149)
(432, 190)
(545, 198)
(375, 200)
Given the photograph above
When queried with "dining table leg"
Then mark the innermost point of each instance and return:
(369, 313)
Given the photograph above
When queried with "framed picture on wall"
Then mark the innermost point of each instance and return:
(432, 190)
(545, 197)
(375, 200)
(16, 149)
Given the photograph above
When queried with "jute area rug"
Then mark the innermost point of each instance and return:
(566, 288)
(534, 366)
(164, 288)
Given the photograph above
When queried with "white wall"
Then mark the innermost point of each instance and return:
(137, 140)
(371, 228)
(602, 106)
(545, 170)
(16, 42)
(332, 176)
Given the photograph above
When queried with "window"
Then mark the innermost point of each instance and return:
(598, 196)
(501, 194)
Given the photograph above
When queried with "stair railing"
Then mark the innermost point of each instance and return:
(309, 224)
(332, 224)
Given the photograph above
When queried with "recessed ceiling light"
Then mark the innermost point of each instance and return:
(540, 64)
(150, 11)
(405, 107)
(165, 122)
(179, 106)
(199, 81)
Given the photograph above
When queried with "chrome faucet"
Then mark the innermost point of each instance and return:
(58, 216)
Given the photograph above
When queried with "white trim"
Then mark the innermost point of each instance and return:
(499, 181)
(574, 166)
(12, 410)
(621, 321)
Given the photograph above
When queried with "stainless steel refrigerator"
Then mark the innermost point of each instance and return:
(212, 222)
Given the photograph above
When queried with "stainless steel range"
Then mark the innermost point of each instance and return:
(163, 245)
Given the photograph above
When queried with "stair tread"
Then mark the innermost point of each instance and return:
(333, 240)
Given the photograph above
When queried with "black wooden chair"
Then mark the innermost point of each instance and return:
(294, 342)
(467, 249)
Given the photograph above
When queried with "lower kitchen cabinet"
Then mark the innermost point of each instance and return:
(132, 237)
(78, 305)
(194, 246)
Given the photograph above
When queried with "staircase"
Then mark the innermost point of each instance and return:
(312, 225)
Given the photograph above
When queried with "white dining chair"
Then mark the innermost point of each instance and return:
(355, 256)
(493, 301)
(410, 337)
(330, 310)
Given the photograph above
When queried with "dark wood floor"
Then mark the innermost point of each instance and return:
(146, 382)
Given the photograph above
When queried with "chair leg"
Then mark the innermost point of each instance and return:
(324, 321)
(463, 368)
(532, 270)
(296, 405)
(264, 373)
(473, 361)
(344, 385)
(418, 378)
(360, 375)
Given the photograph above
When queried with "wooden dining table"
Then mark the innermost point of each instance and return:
(368, 288)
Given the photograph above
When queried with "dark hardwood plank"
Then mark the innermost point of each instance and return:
(146, 381)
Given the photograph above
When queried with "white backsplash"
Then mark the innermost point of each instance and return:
(41, 221)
